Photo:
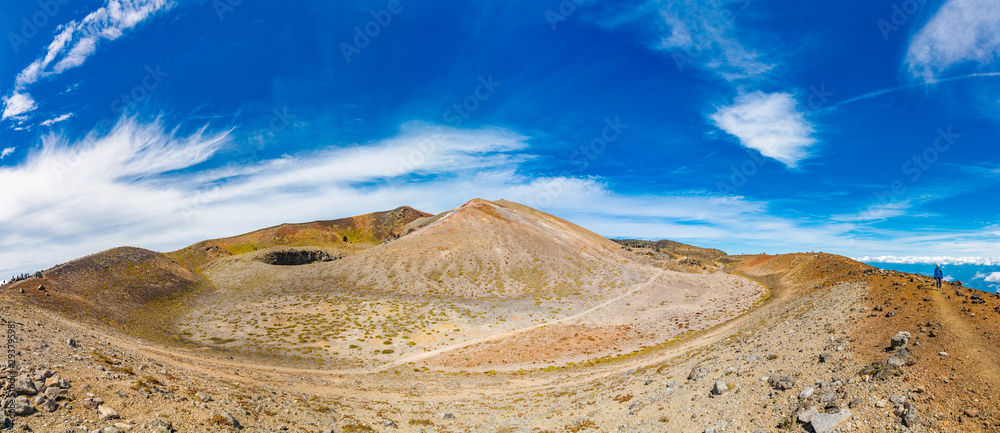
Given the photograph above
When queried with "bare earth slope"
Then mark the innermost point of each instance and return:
(114, 287)
(334, 345)
(463, 292)
(360, 232)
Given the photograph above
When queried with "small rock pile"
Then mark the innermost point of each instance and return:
(43, 389)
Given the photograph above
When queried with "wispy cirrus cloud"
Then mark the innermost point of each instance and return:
(769, 123)
(960, 31)
(699, 34)
(77, 41)
(57, 119)
(7, 151)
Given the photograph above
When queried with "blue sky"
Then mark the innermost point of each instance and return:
(868, 128)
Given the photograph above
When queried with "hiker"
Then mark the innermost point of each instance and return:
(938, 275)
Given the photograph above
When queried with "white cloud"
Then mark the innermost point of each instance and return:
(17, 104)
(960, 31)
(75, 42)
(930, 260)
(877, 212)
(57, 119)
(948, 278)
(768, 123)
(7, 151)
(700, 33)
(989, 278)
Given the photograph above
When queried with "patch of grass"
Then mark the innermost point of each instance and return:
(581, 425)
(424, 422)
(623, 398)
(357, 428)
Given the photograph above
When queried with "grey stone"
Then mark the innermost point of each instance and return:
(912, 418)
(448, 416)
(828, 422)
(828, 397)
(21, 406)
(231, 420)
(71, 342)
(54, 392)
(895, 362)
(3, 419)
(163, 426)
(899, 340)
(781, 382)
(695, 373)
(806, 416)
(23, 385)
(111, 429)
(50, 405)
(203, 396)
(107, 412)
(806, 393)
(720, 427)
(720, 388)
(388, 423)
(897, 399)
(92, 403)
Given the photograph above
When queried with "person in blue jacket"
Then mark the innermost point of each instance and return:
(938, 275)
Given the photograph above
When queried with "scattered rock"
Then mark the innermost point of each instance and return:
(111, 429)
(448, 416)
(107, 413)
(943, 353)
(897, 399)
(912, 417)
(231, 420)
(971, 412)
(71, 342)
(899, 340)
(163, 426)
(24, 386)
(92, 403)
(389, 424)
(895, 362)
(203, 396)
(828, 422)
(720, 388)
(806, 416)
(21, 406)
(781, 383)
(806, 393)
(50, 405)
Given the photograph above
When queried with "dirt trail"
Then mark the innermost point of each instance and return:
(977, 354)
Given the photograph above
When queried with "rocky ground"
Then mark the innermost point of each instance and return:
(802, 361)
